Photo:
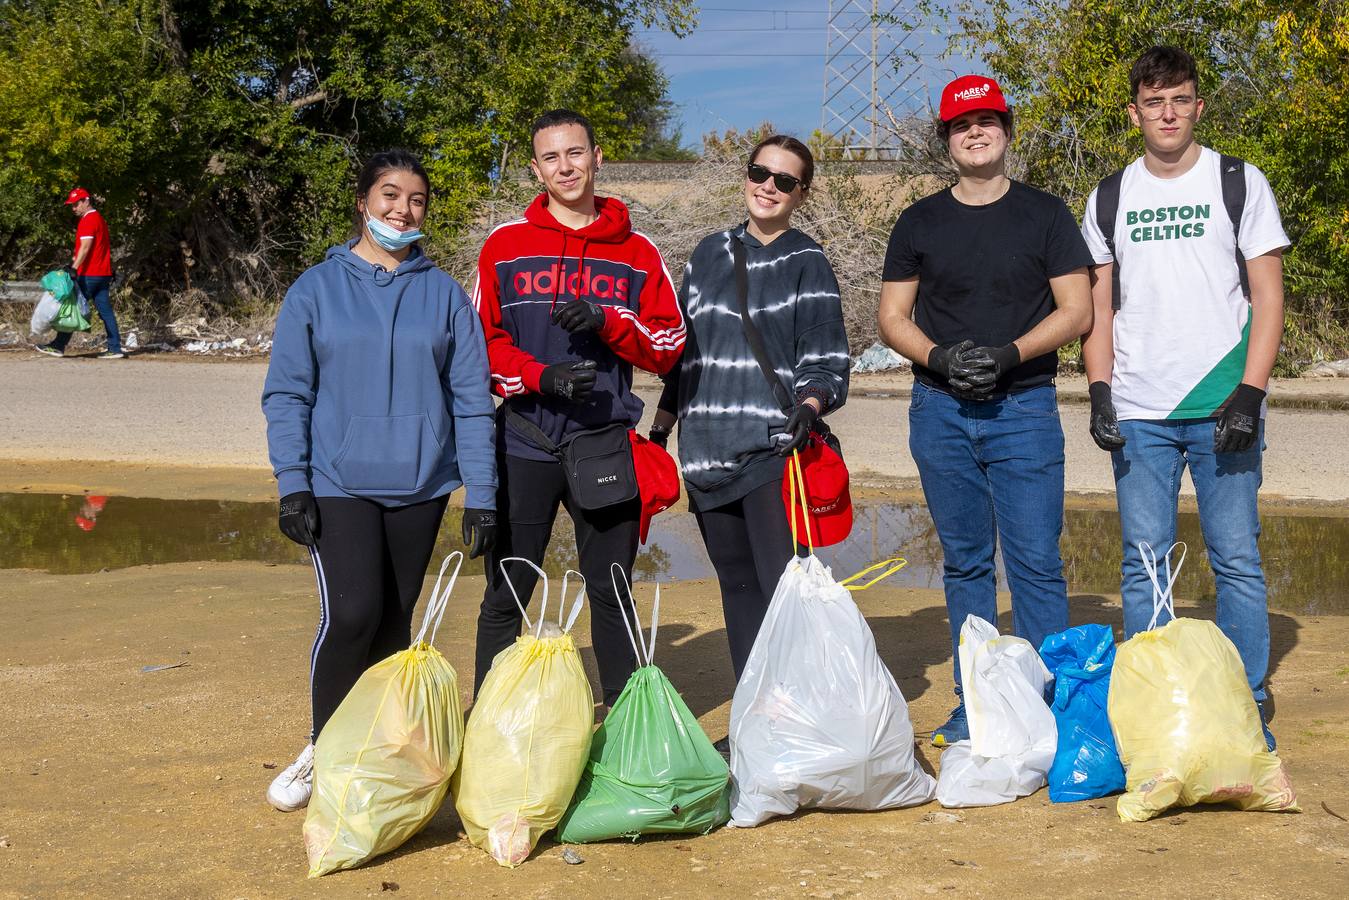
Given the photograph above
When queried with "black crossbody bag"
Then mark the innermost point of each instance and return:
(598, 463)
(756, 346)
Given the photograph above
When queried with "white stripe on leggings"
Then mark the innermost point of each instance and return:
(322, 627)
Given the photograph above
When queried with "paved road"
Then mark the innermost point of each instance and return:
(160, 411)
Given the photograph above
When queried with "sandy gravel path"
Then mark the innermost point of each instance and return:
(189, 415)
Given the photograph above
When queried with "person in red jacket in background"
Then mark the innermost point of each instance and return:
(91, 268)
(571, 298)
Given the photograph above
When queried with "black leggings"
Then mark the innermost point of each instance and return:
(370, 561)
(749, 542)
(528, 496)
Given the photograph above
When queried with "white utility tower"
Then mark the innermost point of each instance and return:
(872, 63)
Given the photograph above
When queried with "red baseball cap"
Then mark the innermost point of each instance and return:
(76, 195)
(827, 496)
(968, 93)
(657, 479)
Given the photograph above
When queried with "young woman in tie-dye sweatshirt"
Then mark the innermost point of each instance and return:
(733, 434)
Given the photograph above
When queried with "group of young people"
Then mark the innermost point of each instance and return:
(379, 398)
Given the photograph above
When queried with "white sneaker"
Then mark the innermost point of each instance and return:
(291, 789)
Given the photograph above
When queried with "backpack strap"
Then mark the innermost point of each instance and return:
(752, 333)
(1107, 208)
(1233, 174)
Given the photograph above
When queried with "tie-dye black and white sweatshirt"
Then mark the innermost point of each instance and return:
(726, 408)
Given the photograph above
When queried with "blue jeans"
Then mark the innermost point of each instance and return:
(1147, 484)
(993, 471)
(95, 287)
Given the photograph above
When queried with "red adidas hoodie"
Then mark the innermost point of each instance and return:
(528, 267)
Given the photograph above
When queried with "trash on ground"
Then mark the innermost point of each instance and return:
(878, 358)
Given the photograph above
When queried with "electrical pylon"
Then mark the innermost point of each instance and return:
(872, 69)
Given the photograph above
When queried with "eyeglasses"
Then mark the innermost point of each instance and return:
(781, 180)
(1155, 107)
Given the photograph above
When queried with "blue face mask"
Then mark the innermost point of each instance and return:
(391, 238)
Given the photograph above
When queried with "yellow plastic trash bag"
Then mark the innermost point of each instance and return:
(1186, 726)
(528, 736)
(384, 760)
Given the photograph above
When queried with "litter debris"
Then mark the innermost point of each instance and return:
(1337, 369)
(162, 667)
(878, 358)
(571, 857)
(388, 886)
(1332, 812)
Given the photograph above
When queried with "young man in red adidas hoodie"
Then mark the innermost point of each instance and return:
(571, 298)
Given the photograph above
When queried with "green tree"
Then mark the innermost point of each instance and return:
(1274, 77)
(222, 135)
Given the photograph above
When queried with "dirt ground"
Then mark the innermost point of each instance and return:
(115, 782)
(118, 783)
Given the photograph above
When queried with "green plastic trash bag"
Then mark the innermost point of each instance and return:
(59, 284)
(651, 770)
(69, 317)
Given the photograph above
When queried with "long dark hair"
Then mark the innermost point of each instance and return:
(396, 159)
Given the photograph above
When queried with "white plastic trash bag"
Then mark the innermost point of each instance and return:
(1012, 730)
(44, 314)
(817, 720)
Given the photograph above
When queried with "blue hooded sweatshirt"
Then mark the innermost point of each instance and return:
(378, 385)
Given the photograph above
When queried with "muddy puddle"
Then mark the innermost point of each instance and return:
(1306, 556)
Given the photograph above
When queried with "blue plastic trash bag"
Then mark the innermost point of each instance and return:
(1086, 763)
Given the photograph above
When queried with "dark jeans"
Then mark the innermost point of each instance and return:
(95, 288)
(370, 562)
(528, 496)
(749, 542)
(992, 472)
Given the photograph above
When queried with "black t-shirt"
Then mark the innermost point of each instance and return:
(983, 271)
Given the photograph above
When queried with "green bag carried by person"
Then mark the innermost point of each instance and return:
(60, 285)
(70, 317)
(651, 770)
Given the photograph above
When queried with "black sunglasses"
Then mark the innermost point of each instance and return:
(784, 182)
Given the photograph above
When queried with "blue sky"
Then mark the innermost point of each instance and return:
(751, 60)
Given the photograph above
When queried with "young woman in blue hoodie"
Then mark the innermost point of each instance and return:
(378, 407)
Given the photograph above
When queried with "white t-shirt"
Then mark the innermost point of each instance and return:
(1183, 325)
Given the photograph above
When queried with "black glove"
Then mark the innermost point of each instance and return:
(983, 366)
(71, 271)
(799, 425)
(1239, 421)
(1104, 426)
(299, 518)
(579, 315)
(659, 436)
(479, 531)
(947, 362)
(571, 381)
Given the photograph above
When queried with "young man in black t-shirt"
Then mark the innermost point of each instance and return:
(983, 282)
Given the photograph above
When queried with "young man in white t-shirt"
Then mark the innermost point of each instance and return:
(1179, 361)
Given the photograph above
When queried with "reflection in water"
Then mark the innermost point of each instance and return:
(1306, 557)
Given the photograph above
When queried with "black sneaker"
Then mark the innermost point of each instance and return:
(49, 350)
(723, 747)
